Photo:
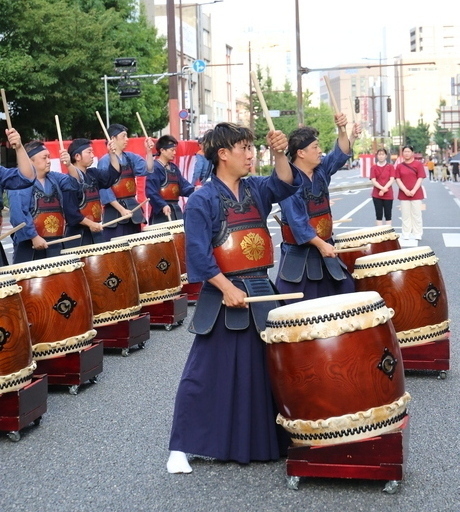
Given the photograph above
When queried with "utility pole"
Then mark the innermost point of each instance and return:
(172, 67)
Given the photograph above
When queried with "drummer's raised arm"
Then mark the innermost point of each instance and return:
(24, 164)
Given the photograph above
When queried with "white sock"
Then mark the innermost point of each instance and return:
(178, 463)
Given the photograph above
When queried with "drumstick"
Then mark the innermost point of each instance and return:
(7, 112)
(281, 296)
(141, 204)
(278, 220)
(342, 220)
(11, 231)
(104, 129)
(142, 125)
(268, 118)
(352, 249)
(169, 217)
(62, 240)
(58, 127)
(114, 221)
(331, 95)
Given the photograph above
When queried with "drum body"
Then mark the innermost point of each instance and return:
(378, 238)
(16, 365)
(157, 266)
(112, 280)
(336, 369)
(410, 282)
(176, 228)
(57, 301)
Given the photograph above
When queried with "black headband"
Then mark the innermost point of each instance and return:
(79, 149)
(302, 145)
(34, 151)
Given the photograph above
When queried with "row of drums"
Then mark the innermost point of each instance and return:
(336, 363)
(53, 306)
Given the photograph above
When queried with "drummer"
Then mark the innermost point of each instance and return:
(84, 213)
(224, 406)
(166, 184)
(42, 207)
(308, 262)
(120, 198)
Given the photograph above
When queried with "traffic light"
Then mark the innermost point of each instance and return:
(357, 105)
(129, 88)
(388, 104)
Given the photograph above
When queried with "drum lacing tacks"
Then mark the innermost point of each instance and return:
(408, 259)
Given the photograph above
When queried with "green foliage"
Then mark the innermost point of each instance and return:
(418, 137)
(53, 54)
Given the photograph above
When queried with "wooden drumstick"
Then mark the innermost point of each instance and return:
(331, 95)
(58, 127)
(266, 298)
(6, 111)
(142, 125)
(267, 116)
(352, 249)
(114, 221)
(141, 204)
(65, 239)
(11, 231)
(104, 129)
(169, 217)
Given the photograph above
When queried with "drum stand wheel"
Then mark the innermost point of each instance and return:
(15, 435)
(442, 375)
(126, 334)
(391, 487)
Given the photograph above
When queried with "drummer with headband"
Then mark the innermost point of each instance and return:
(224, 406)
(120, 198)
(84, 211)
(308, 263)
(166, 184)
(42, 207)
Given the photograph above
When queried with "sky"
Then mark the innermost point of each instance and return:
(336, 33)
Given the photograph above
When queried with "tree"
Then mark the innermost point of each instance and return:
(53, 54)
(418, 137)
(443, 138)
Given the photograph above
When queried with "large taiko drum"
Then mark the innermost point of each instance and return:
(335, 368)
(112, 279)
(176, 228)
(16, 365)
(378, 239)
(157, 266)
(410, 282)
(57, 301)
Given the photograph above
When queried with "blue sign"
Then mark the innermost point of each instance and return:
(183, 114)
(199, 66)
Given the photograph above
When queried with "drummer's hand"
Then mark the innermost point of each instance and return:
(64, 157)
(149, 144)
(167, 210)
(234, 297)
(39, 243)
(124, 211)
(95, 227)
(277, 141)
(327, 250)
(111, 146)
(13, 138)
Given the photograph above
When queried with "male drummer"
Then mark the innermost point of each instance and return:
(224, 406)
(166, 184)
(42, 207)
(86, 210)
(308, 262)
(120, 198)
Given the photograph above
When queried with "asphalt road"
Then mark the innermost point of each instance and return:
(105, 449)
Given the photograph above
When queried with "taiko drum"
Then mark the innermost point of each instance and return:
(157, 266)
(335, 368)
(176, 228)
(16, 364)
(377, 239)
(410, 282)
(58, 304)
(112, 280)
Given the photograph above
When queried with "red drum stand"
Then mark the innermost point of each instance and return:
(429, 356)
(20, 408)
(125, 334)
(378, 458)
(169, 312)
(74, 368)
(192, 290)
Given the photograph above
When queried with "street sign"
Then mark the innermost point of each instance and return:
(183, 114)
(199, 65)
(274, 113)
